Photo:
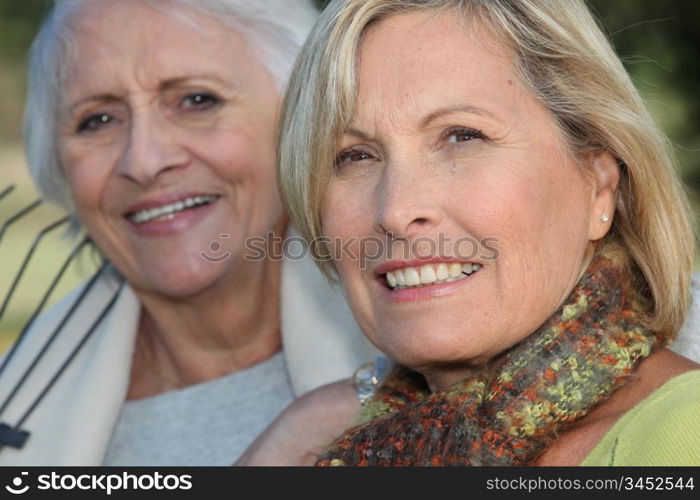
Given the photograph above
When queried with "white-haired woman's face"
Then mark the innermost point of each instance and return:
(167, 139)
(446, 146)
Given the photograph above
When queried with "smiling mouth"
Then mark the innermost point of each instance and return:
(170, 210)
(429, 274)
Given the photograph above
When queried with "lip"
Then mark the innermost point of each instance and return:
(392, 265)
(426, 291)
(165, 199)
(180, 222)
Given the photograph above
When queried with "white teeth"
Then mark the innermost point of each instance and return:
(400, 277)
(412, 276)
(168, 211)
(429, 274)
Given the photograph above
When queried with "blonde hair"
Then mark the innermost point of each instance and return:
(566, 61)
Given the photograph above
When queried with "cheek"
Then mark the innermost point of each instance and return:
(564, 216)
(247, 164)
(535, 209)
(527, 202)
(88, 173)
(240, 155)
(345, 220)
(333, 219)
(542, 239)
(342, 231)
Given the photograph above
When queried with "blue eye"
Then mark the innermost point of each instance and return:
(94, 122)
(463, 134)
(200, 100)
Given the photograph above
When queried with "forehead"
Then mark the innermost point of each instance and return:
(418, 60)
(129, 38)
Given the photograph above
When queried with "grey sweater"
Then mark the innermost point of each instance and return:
(205, 424)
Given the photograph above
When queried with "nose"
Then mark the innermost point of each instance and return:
(152, 149)
(409, 202)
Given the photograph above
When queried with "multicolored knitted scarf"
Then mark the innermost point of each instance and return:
(511, 412)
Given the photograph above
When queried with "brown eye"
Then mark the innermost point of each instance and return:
(460, 134)
(200, 101)
(352, 155)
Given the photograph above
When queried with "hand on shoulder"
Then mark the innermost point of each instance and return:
(306, 428)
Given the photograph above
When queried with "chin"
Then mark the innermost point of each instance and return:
(182, 286)
(418, 348)
(177, 279)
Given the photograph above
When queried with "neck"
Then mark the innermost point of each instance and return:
(442, 377)
(230, 326)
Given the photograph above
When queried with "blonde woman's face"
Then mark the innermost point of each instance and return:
(453, 163)
(168, 143)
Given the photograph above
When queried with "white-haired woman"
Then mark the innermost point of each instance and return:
(154, 122)
(514, 126)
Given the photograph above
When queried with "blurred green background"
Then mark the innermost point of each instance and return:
(658, 41)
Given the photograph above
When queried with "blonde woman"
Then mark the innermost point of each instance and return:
(511, 124)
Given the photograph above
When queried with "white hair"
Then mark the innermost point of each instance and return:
(274, 29)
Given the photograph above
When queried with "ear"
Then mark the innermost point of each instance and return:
(605, 173)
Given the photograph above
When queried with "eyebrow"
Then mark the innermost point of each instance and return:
(174, 82)
(358, 133)
(98, 97)
(165, 85)
(460, 108)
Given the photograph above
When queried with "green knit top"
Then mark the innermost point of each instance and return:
(664, 429)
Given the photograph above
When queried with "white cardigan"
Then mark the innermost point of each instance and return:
(73, 424)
